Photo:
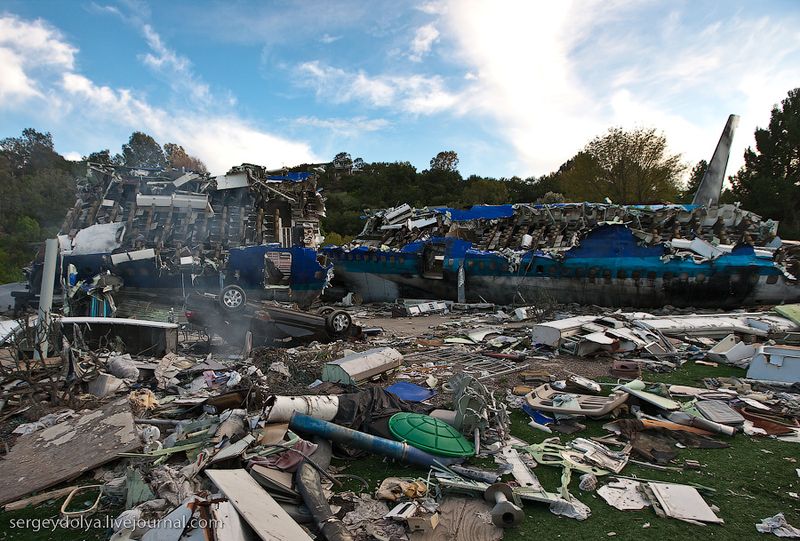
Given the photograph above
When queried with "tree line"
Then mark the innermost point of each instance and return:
(37, 185)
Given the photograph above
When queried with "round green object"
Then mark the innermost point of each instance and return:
(429, 434)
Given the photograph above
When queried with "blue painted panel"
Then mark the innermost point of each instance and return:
(291, 176)
(478, 212)
(306, 272)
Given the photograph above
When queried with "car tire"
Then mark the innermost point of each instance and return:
(232, 298)
(338, 322)
(325, 310)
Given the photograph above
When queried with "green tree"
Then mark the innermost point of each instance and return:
(484, 191)
(102, 157)
(533, 189)
(33, 150)
(447, 160)
(141, 150)
(36, 189)
(769, 181)
(695, 177)
(625, 167)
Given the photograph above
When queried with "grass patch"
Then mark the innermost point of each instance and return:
(752, 479)
(41, 524)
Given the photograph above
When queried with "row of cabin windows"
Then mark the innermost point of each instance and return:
(491, 265)
(622, 274)
(552, 270)
(374, 258)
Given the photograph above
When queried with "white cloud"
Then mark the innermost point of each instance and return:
(423, 40)
(547, 77)
(25, 48)
(518, 58)
(79, 104)
(433, 7)
(345, 127)
(73, 156)
(552, 76)
(42, 44)
(176, 68)
(328, 39)
(220, 141)
(417, 94)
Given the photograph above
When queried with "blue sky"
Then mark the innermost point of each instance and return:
(516, 88)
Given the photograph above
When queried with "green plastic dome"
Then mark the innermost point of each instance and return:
(429, 434)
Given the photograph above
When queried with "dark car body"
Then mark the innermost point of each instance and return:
(267, 323)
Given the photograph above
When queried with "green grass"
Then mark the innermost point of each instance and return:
(750, 484)
(43, 518)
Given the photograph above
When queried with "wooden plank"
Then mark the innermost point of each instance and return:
(56, 494)
(64, 451)
(256, 506)
(462, 519)
(229, 525)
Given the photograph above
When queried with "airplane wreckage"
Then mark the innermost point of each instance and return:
(702, 255)
(255, 233)
(250, 232)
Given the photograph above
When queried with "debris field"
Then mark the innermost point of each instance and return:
(483, 417)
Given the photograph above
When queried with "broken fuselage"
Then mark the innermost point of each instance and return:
(582, 253)
(703, 255)
(171, 232)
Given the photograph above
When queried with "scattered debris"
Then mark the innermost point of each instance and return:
(778, 526)
(230, 407)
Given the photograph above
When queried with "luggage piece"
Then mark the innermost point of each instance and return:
(719, 412)
(542, 397)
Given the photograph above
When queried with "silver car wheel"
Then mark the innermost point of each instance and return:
(340, 322)
(232, 298)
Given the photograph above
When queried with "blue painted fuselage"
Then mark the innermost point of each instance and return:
(245, 267)
(609, 268)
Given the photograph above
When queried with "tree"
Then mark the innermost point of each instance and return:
(32, 151)
(178, 158)
(533, 189)
(142, 150)
(447, 160)
(769, 181)
(484, 191)
(36, 188)
(695, 177)
(343, 162)
(626, 167)
(102, 157)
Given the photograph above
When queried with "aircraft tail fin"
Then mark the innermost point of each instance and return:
(711, 185)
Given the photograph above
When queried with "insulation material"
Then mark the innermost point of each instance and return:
(97, 239)
(623, 494)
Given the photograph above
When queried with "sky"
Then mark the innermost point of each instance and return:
(515, 88)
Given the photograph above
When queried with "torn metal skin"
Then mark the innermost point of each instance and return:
(175, 231)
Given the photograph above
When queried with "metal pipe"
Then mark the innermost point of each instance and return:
(504, 513)
(299, 513)
(157, 422)
(46, 296)
(685, 419)
(309, 486)
(367, 442)
(279, 409)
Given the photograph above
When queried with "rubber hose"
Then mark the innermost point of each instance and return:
(298, 512)
(308, 483)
